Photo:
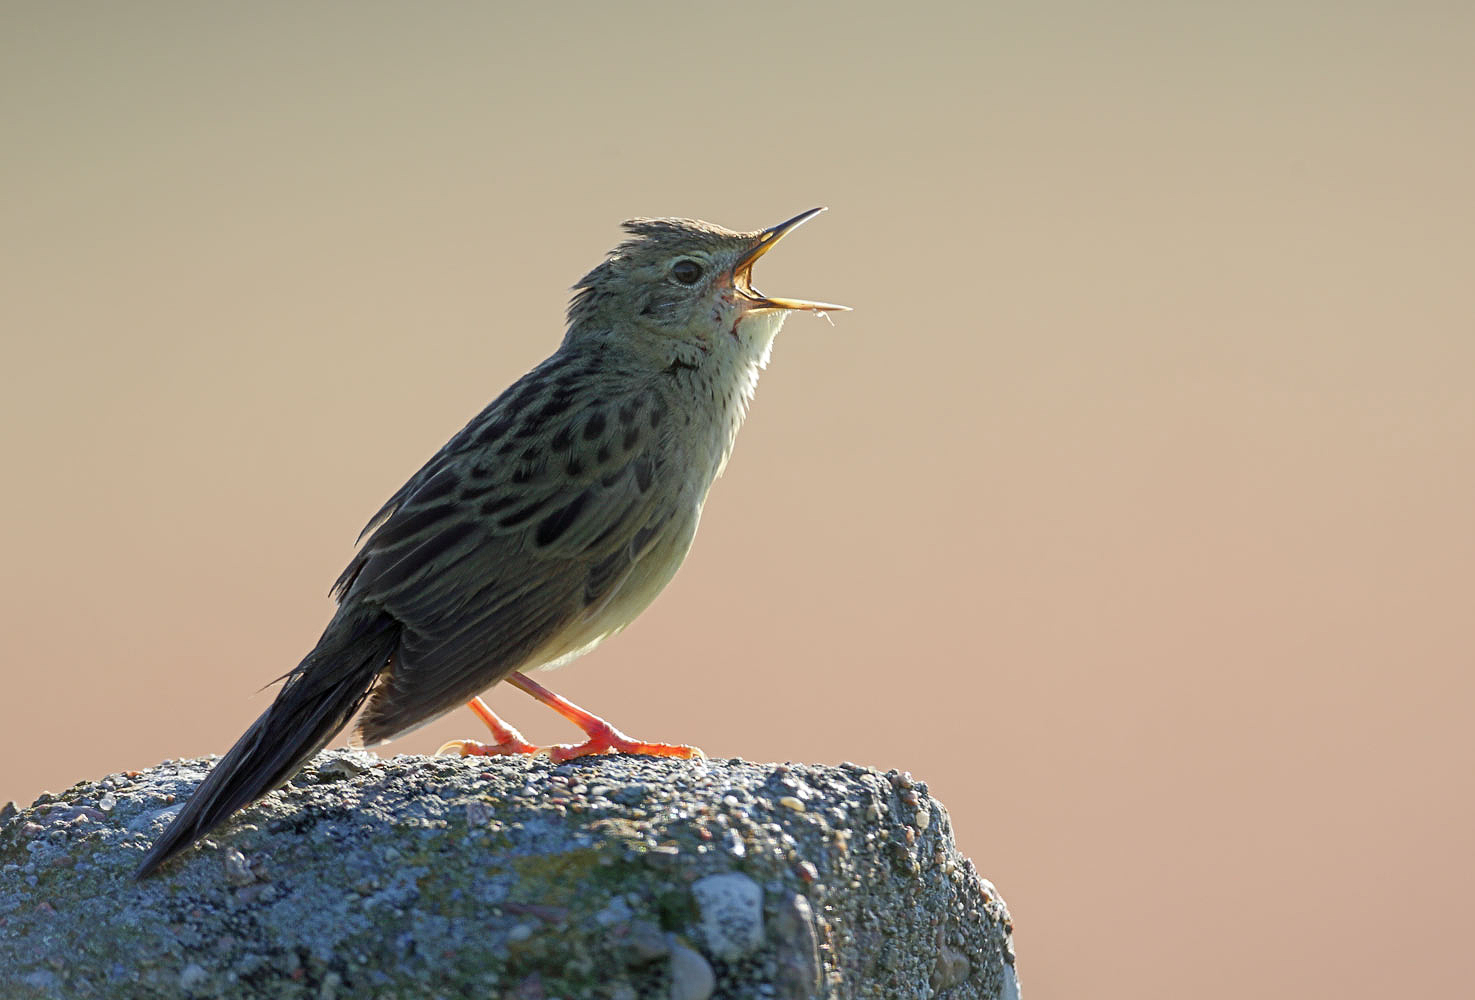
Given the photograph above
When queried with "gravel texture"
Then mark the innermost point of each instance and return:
(607, 877)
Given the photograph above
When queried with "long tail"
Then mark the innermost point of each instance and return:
(317, 699)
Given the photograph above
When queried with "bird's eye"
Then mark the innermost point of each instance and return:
(688, 272)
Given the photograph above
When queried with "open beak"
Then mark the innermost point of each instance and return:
(743, 273)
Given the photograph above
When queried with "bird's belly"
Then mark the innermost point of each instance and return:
(632, 595)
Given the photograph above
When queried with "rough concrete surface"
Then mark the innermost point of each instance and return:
(608, 877)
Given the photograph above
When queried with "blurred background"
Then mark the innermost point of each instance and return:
(1131, 509)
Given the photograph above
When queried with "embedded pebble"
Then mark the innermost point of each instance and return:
(616, 912)
(691, 975)
(236, 870)
(42, 979)
(192, 977)
(951, 970)
(646, 942)
(731, 907)
(345, 765)
(799, 969)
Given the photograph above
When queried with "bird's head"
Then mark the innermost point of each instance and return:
(684, 281)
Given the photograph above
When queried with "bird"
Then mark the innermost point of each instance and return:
(542, 528)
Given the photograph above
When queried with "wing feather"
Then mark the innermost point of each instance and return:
(496, 562)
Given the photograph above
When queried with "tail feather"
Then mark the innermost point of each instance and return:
(317, 700)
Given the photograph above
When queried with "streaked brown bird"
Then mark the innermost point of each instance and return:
(542, 528)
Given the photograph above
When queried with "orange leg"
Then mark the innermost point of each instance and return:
(603, 737)
(509, 740)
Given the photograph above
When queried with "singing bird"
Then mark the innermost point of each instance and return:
(541, 529)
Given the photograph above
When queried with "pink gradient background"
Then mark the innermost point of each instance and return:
(1133, 508)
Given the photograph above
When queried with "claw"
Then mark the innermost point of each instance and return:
(472, 748)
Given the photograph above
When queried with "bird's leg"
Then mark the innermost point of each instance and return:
(603, 737)
(508, 740)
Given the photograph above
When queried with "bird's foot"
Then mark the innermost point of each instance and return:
(473, 748)
(604, 738)
(508, 740)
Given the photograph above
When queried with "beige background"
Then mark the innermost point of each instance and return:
(1131, 508)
